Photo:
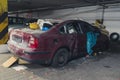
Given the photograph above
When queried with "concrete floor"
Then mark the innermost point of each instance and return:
(103, 67)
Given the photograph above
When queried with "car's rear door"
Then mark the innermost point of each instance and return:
(68, 37)
(72, 38)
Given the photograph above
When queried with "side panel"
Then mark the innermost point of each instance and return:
(3, 21)
(82, 43)
(102, 43)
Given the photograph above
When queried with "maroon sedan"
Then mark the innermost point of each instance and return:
(57, 45)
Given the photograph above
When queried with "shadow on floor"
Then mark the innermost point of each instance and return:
(114, 48)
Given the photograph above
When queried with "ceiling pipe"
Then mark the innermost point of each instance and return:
(65, 6)
(49, 8)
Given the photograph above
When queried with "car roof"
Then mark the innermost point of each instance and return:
(75, 21)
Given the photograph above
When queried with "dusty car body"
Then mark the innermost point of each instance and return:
(59, 44)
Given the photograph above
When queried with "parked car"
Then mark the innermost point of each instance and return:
(15, 22)
(57, 45)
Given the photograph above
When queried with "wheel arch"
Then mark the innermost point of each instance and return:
(63, 47)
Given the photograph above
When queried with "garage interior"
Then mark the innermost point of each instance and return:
(102, 67)
(107, 10)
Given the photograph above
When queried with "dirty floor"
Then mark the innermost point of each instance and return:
(103, 67)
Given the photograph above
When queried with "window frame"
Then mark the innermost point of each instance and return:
(64, 27)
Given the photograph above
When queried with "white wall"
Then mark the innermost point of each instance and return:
(89, 14)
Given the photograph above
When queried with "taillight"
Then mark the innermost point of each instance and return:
(33, 42)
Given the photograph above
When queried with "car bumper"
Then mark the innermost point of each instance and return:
(32, 57)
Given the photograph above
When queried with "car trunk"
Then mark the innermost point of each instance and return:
(25, 38)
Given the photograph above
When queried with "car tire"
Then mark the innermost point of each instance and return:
(114, 36)
(60, 58)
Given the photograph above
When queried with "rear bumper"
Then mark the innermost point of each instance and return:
(32, 57)
(34, 61)
(37, 52)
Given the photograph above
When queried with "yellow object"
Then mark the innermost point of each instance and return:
(10, 62)
(94, 54)
(104, 31)
(21, 61)
(102, 27)
(3, 21)
(4, 39)
(33, 25)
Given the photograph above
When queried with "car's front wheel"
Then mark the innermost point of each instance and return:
(60, 58)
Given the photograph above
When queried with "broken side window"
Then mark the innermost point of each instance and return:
(71, 28)
(63, 30)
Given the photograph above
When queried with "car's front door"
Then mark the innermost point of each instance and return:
(85, 28)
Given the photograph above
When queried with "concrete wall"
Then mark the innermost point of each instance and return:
(89, 14)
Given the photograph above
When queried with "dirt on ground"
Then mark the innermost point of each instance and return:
(106, 66)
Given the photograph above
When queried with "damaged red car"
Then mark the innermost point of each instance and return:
(57, 45)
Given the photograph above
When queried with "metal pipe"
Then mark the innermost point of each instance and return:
(103, 12)
(65, 6)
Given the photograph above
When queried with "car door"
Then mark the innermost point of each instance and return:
(72, 38)
(81, 39)
(85, 28)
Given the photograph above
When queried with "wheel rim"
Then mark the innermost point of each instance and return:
(62, 58)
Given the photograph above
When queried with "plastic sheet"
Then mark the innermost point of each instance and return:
(91, 41)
